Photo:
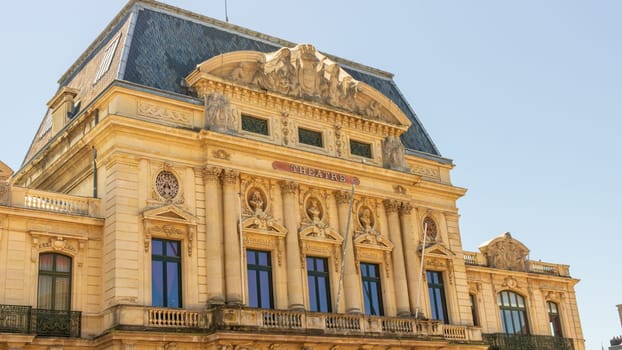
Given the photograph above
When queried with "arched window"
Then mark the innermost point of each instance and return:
(513, 313)
(554, 320)
(54, 289)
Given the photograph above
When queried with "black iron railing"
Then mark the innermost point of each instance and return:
(50, 323)
(14, 318)
(500, 341)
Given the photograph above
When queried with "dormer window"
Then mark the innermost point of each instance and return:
(310, 137)
(360, 149)
(255, 125)
(106, 61)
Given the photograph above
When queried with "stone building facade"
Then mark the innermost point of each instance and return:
(197, 185)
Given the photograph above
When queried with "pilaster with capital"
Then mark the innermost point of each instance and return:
(351, 279)
(233, 273)
(289, 191)
(409, 243)
(399, 270)
(214, 241)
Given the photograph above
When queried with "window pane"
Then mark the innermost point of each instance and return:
(323, 295)
(263, 259)
(256, 125)
(157, 283)
(320, 265)
(156, 247)
(360, 149)
(61, 297)
(45, 292)
(264, 292)
(172, 285)
(46, 262)
(250, 257)
(372, 292)
(253, 297)
(63, 264)
(310, 137)
(172, 248)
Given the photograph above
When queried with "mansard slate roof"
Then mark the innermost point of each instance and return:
(166, 43)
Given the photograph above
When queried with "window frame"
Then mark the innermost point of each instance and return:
(371, 151)
(514, 313)
(244, 116)
(165, 259)
(313, 277)
(555, 320)
(437, 295)
(54, 274)
(366, 280)
(320, 133)
(257, 302)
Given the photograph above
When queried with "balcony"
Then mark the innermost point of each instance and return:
(285, 321)
(50, 201)
(45, 323)
(500, 341)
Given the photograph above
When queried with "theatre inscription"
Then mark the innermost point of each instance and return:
(315, 172)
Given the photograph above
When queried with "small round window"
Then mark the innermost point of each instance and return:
(167, 185)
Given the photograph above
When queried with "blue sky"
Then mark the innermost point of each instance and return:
(525, 96)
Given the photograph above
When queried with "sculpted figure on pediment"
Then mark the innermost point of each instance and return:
(219, 114)
(393, 153)
(506, 253)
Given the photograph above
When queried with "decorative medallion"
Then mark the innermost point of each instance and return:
(430, 229)
(314, 210)
(257, 202)
(366, 219)
(167, 185)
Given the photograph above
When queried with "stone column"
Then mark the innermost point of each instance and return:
(399, 267)
(233, 274)
(289, 190)
(351, 279)
(411, 258)
(214, 241)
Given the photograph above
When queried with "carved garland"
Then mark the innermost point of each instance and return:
(175, 231)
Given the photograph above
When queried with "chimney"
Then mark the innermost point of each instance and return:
(62, 105)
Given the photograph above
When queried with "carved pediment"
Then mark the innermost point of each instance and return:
(169, 222)
(324, 234)
(438, 250)
(265, 224)
(504, 252)
(299, 72)
(169, 213)
(372, 240)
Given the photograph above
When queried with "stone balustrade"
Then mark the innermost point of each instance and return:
(50, 201)
(232, 318)
(478, 259)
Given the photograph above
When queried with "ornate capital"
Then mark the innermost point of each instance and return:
(212, 174)
(391, 205)
(230, 176)
(288, 186)
(406, 208)
(342, 197)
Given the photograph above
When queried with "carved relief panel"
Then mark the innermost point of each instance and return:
(506, 253)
